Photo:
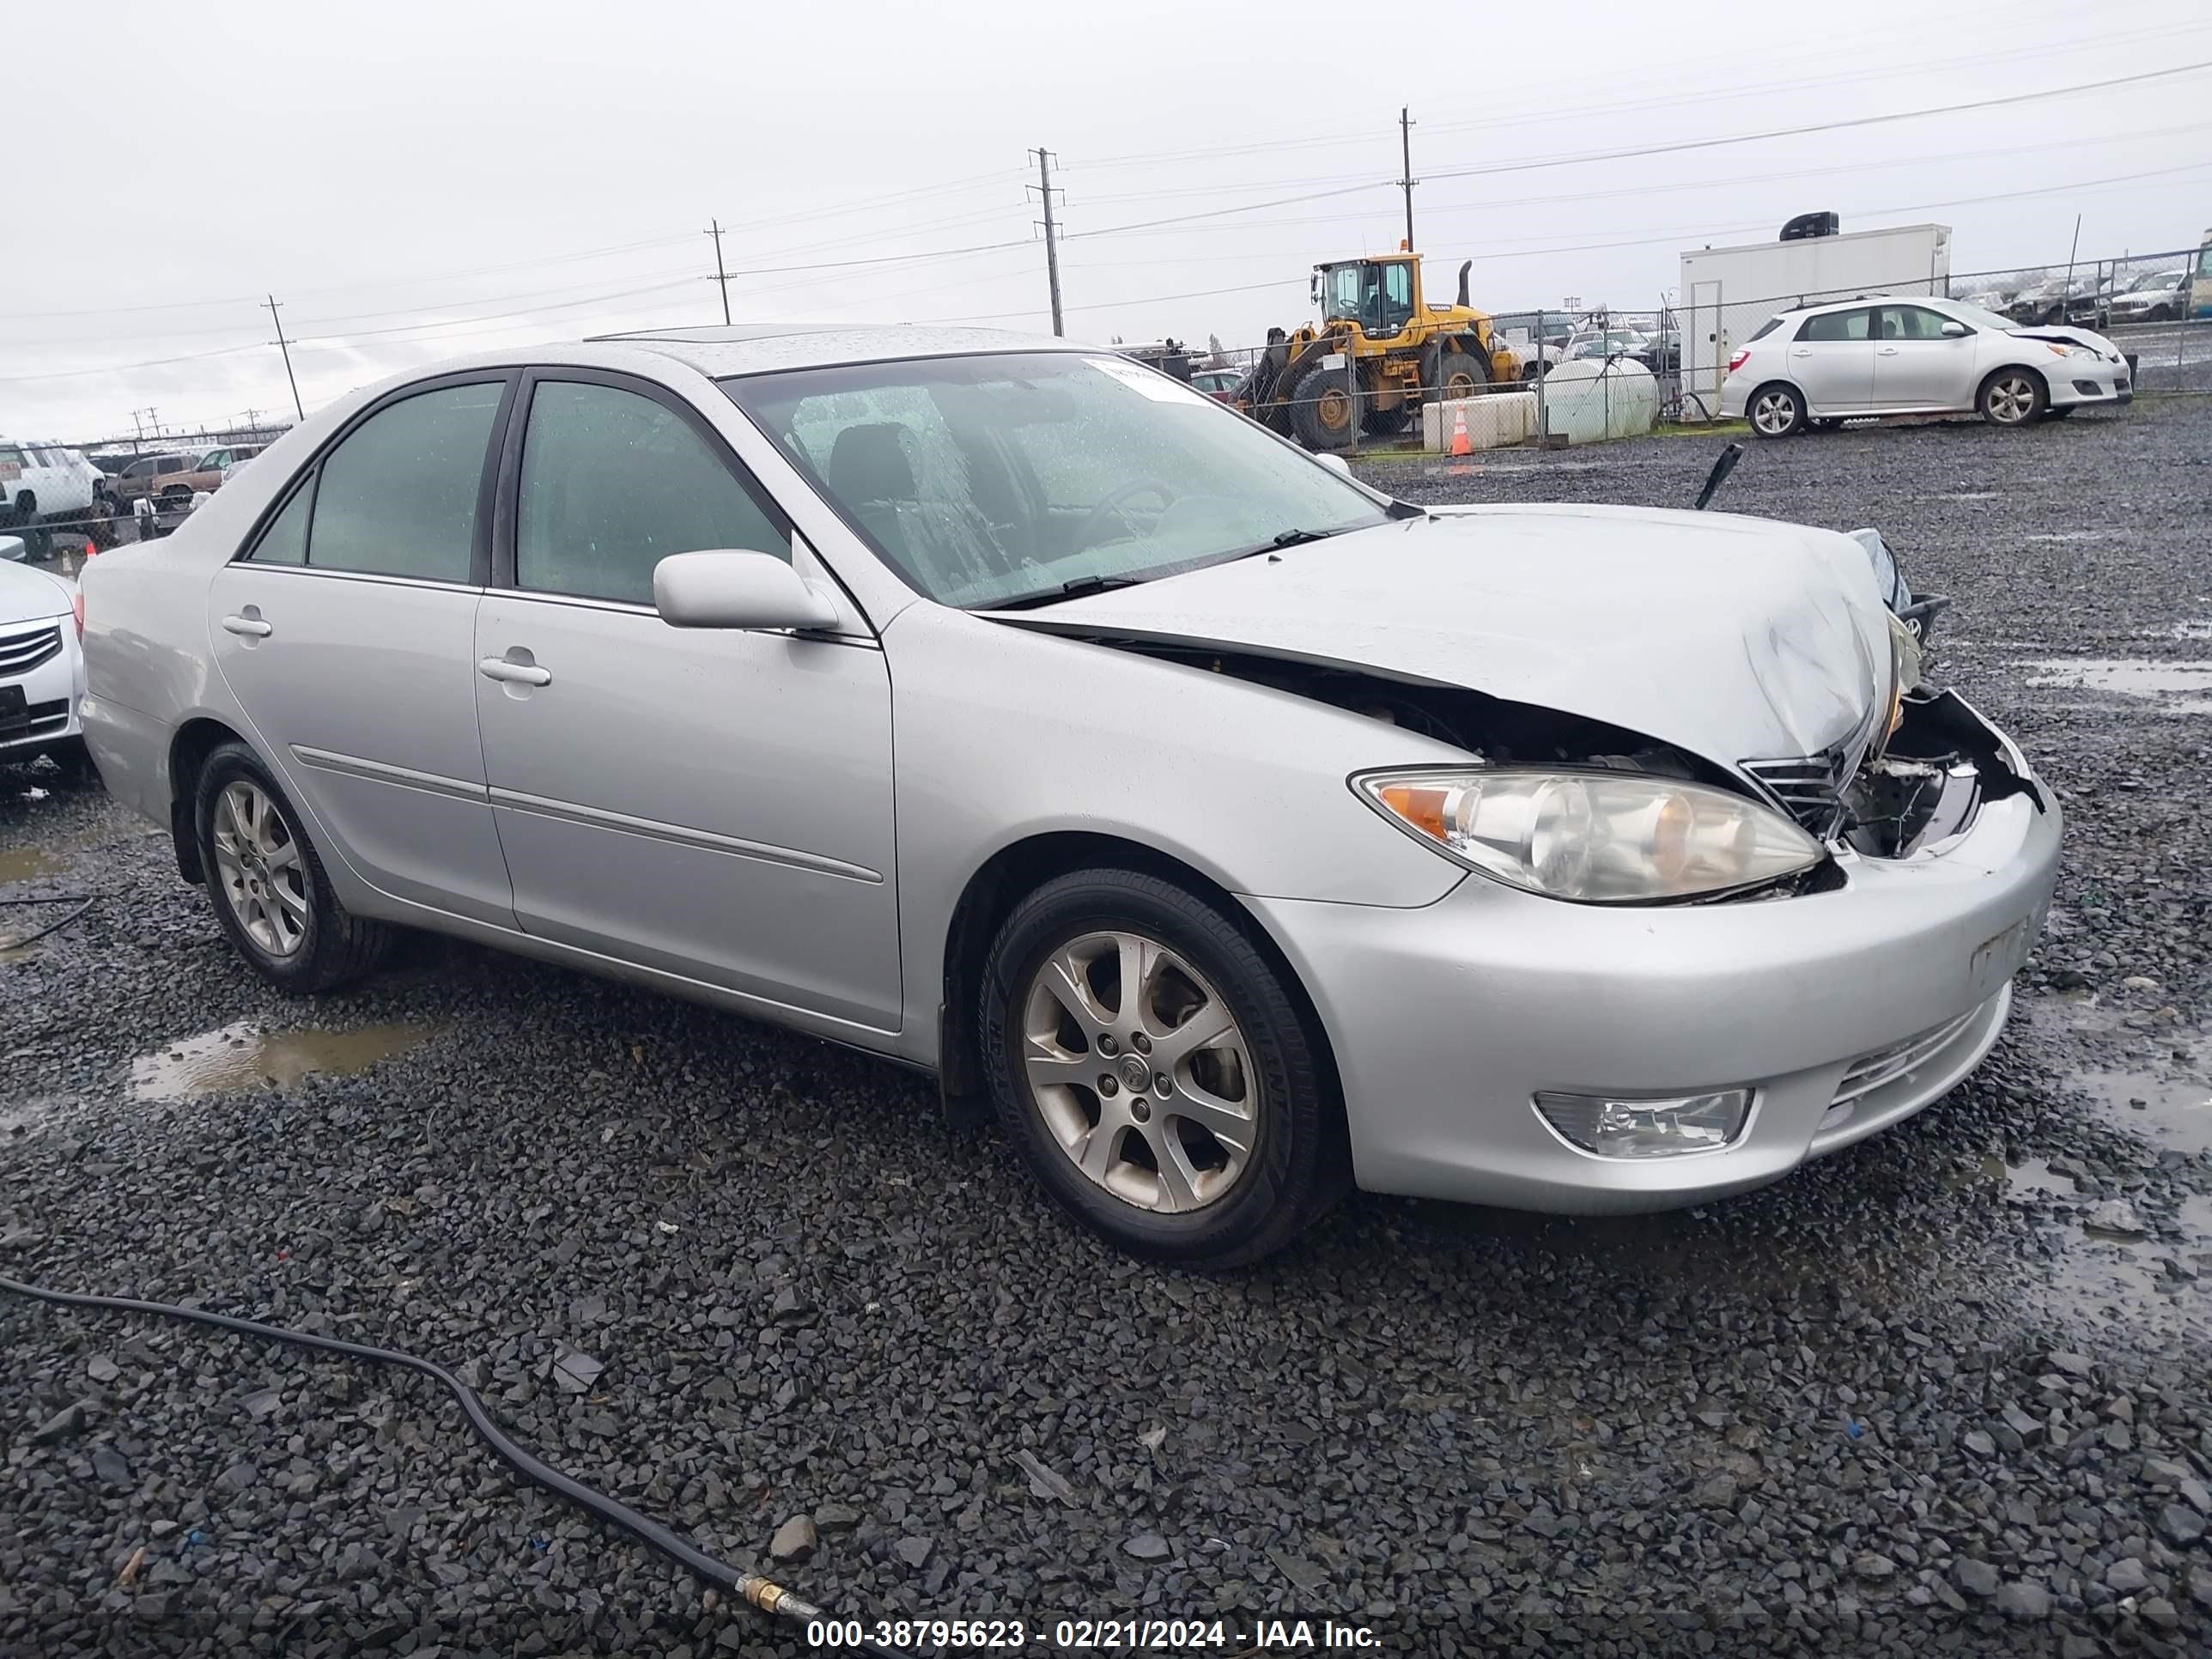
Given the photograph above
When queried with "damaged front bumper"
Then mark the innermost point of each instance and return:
(1841, 1009)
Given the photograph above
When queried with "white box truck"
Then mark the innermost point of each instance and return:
(1727, 292)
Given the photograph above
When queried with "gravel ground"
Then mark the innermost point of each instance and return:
(1948, 1391)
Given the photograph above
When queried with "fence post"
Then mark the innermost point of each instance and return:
(1605, 364)
(1543, 374)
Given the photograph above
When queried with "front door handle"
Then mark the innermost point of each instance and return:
(1889, 351)
(251, 628)
(517, 673)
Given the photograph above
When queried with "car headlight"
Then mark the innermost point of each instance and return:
(1599, 837)
(2070, 350)
(1904, 674)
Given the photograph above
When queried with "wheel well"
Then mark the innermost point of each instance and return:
(1011, 874)
(2028, 369)
(196, 739)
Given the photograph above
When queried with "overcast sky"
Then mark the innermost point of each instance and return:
(417, 181)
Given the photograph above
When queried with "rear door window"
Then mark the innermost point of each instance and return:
(1835, 326)
(399, 495)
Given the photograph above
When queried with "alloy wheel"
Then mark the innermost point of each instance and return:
(1139, 1071)
(258, 869)
(2012, 399)
(1773, 413)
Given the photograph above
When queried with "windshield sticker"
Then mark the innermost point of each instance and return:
(1158, 387)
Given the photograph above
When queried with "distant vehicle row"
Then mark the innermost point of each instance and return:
(44, 484)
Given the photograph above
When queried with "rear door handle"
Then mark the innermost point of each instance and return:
(1889, 351)
(519, 673)
(251, 628)
(1802, 351)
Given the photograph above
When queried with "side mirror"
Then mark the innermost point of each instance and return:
(730, 589)
(1335, 464)
(1956, 330)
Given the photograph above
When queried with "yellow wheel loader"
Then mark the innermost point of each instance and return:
(1379, 337)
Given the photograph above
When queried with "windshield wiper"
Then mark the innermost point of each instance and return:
(1081, 587)
(1298, 538)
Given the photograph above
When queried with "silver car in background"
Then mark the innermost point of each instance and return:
(1232, 831)
(1826, 364)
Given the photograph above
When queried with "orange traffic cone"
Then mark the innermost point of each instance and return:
(1460, 443)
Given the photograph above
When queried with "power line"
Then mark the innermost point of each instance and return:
(1680, 145)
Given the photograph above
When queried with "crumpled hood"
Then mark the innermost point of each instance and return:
(2070, 334)
(1733, 638)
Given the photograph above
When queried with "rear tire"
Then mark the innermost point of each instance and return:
(270, 894)
(1147, 1172)
(1776, 410)
(1322, 410)
(2013, 397)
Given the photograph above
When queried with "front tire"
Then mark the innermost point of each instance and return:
(1189, 1120)
(1322, 410)
(1775, 410)
(272, 896)
(2013, 397)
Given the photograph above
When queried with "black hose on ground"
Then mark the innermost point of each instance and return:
(761, 1592)
(52, 927)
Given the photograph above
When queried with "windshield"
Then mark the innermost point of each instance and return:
(2157, 281)
(1978, 317)
(984, 480)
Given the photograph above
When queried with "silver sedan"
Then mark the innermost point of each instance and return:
(1232, 832)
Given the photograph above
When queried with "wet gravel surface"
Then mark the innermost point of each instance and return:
(1948, 1391)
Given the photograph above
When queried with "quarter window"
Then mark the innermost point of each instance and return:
(398, 497)
(285, 540)
(1837, 325)
(613, 483)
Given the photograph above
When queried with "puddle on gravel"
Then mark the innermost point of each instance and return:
(2077, 536)
(248, 1056)
(2192, 630)
(2177, 1106)
(29, 863)
(2030, 1178)
(2184, 687)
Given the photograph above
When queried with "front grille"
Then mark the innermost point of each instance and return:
(1810, 787)
(1870, 1071)
(21, 653)
(40, 719)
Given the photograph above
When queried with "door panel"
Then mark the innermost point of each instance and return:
(713, 803)
(1833, 360)
(363, 695)
(1916, 366)
(1835, 375)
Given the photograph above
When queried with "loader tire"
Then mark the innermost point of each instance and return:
(1387, 423)
(1462, 374)
(1322, 410)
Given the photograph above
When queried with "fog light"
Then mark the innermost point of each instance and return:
(1647, 1128)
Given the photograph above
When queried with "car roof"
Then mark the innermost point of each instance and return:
(765, 347)
(1868, 300)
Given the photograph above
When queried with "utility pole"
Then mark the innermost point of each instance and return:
(284, 346)
(721, 278)
(1051, 238)
(1407, 181)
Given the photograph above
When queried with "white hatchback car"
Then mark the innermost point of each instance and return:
(1823, 365)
